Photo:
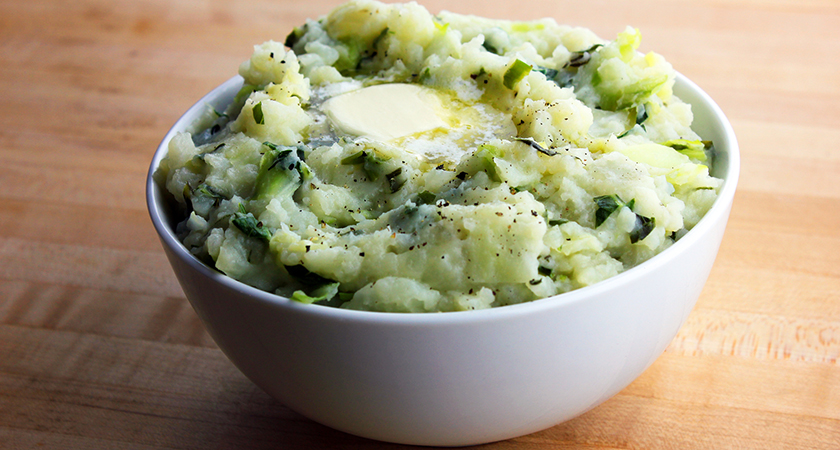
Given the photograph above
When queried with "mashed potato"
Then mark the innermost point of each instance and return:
(384, 158)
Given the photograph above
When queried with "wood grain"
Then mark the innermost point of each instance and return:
(99, 349)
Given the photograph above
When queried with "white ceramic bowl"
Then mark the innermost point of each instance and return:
(457, 378)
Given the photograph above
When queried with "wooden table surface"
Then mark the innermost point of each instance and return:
(99, 348)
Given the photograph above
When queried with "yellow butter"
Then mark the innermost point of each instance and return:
(386, 112)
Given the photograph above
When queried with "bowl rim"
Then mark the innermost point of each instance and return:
(684, 88)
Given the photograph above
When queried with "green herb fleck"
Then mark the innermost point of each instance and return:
(426, 198)
(349, 55)
(394, 181)
(641, 115)
(607, 204)
(516, 72)
(206, 190)
(244, 92)
(535, 145)
(425, 75)
(478, 74)
(282, 156)
(642, 228)
(692, 149)
(355, 158)
(372, 164)
(490, 48)
(258, 114)
(294, 36)
(549, 73)
(487, 154)
(319, 294)
(582, 57)
(248, 224)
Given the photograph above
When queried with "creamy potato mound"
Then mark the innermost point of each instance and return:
(384, 158)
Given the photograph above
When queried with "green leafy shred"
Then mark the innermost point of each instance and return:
(626, 132)
(487, 154)
(524, 27)
(372, 164)
(349, 55)
(692, 149)
(248, 224)
(516, 72)
(582, 57)
(355, 158)
(320, 294)
(244, 92)
(425, 75)
(641, 114)
(549, 73)
(490, 48)
(258, 114)
(631, 94)
(294, 36)
(535, 145)
(621, 77)
(395, 182)
(426, 198)
(564, 77)
(281, 172)
(642, 228)
(607, 204)
(205, 190)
